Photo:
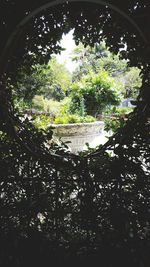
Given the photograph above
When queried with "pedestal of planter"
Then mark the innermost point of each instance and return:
(78, 134)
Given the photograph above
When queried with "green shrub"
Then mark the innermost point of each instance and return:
(94, 92)
(38, 102)
(65, 119)
(46, 105)
(72, 118)
(113, 124)
(88, 118)
(52, 107)
(42, 121)
(117, 119)
(65, 105)
(122, 110)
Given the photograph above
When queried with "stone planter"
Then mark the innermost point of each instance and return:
(78, 134)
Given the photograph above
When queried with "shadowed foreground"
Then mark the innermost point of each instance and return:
(91, 210)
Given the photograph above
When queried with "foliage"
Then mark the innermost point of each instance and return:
(38, 102)
(132, 83)
(114, 123)
(99, 58)
(70, 118)
(59, 80)
(46, 105)
(99, 203)
(52, 107)
(118, 110)
(57, 112)
(40, 34)
(65, 105)
(122, 110)
(51, 81)
(60, 208)
(29, 84)
(117, 118)
(97, 91)
(42, 121)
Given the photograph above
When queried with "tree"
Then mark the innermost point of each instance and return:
(51, 80)
(96, 92)
(58, 80)
(30, 84)
(92, 23)
(132, 82)
(99, 58)
(88, 59)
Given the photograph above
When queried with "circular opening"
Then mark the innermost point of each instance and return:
(41, 30)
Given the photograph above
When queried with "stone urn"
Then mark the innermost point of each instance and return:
(78, 134)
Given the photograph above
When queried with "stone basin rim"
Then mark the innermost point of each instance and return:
(81, 124)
